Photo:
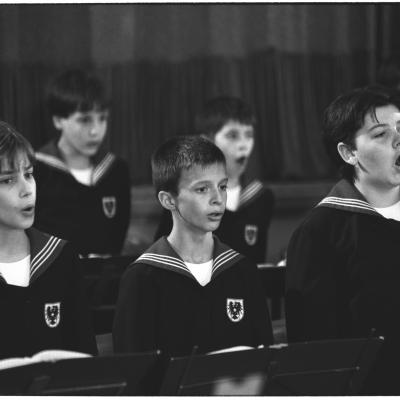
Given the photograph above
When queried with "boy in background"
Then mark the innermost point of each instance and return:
(83, 190)
(229, 123)
(188, 288)
(41, 299)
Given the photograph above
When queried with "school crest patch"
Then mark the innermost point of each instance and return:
(235, 309)
(250, 234)
(109, 206)
(52, 314)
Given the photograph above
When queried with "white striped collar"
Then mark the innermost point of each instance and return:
(345, 196)
(250, 192)
(98, 172)
(162, 255)
(44, 249)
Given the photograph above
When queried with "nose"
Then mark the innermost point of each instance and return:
(97, 127)
(217, 196)
(26, 187)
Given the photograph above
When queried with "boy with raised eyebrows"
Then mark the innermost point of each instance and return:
(188, 288)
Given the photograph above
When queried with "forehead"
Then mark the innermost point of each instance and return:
(95, 112)
(213, 172)
(19, 161)
(235, 125)
(389, 114)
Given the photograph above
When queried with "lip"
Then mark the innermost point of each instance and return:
(215, 216)
(241, 160)
(28, 211)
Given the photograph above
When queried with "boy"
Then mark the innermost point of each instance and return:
(41, 301)
(229, 123)
(188, 288)
(343, 273)
(83, 191)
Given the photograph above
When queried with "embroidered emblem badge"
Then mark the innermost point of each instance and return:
(52, 314)
(250, 234)
(109, 206)
(235, 309)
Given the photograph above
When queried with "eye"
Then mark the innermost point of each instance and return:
(85, 119)
(6, 181)
(231, 135)
(249, 134)
(28, 174)
(103, 117)
(223, 187)
(380, 134)
(201, 189)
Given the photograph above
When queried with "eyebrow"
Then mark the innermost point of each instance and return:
(377, 126)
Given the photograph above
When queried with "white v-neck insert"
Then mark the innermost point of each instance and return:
(392, 212)
(17, 273)
(202, 272)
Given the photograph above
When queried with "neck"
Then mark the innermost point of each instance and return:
(233, 180)
(72, 158)
(378, 196)
(192, 247)
(14, 245)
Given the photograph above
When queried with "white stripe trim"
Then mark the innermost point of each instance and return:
(102, 167)
(223, 258)
(347, 203)
(52, 161)
(167, 260)
(44, 254)
(216, 267)
(250, 191)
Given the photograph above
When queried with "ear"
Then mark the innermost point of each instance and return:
(347, 153)
(167, 200)
(57, 122)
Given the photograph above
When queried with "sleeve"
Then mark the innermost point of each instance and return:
(134, 328)
(165, 225)
(82, 329)
(311, 294)
(125, 208)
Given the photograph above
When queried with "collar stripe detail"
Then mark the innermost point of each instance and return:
(347, 203)
(223, 258)
(52, 161)
(167, 260)
(44, 254)
(250, 191)
(102, 167)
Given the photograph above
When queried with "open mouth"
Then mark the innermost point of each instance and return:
(398, 161)
(28, 209)
(241, 160)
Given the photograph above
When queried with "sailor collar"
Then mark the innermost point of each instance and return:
(52, 156)
(162, 255)
(345, 196)
(250, 192)
(44, 250)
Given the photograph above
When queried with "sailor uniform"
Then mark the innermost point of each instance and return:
(51, 312)
(96, 217)
(244, 230)
(343, 278)
(162, 306)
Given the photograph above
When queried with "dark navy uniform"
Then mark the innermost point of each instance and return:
(162, 306)
(244, 230)
(50, 313)
(94, 218)
(343, 279)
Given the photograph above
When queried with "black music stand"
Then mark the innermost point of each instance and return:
(320, 368)
(114, 375)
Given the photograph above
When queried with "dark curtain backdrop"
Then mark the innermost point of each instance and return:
(161, 62)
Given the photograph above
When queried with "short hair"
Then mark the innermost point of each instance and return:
(12, 145)
(345, 116)
(75, 90)
(219, 111)
(181, 153)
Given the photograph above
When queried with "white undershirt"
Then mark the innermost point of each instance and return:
(83, 176)
(392, 212)
(232, 198)
(17, 273)
(202, 272)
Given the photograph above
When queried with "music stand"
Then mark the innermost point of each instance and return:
(331, 367)
(112, 375)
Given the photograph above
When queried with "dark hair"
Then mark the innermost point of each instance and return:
(75, 90)
(219, 111)
(12, 145)
(345, 116)
(181, 153)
